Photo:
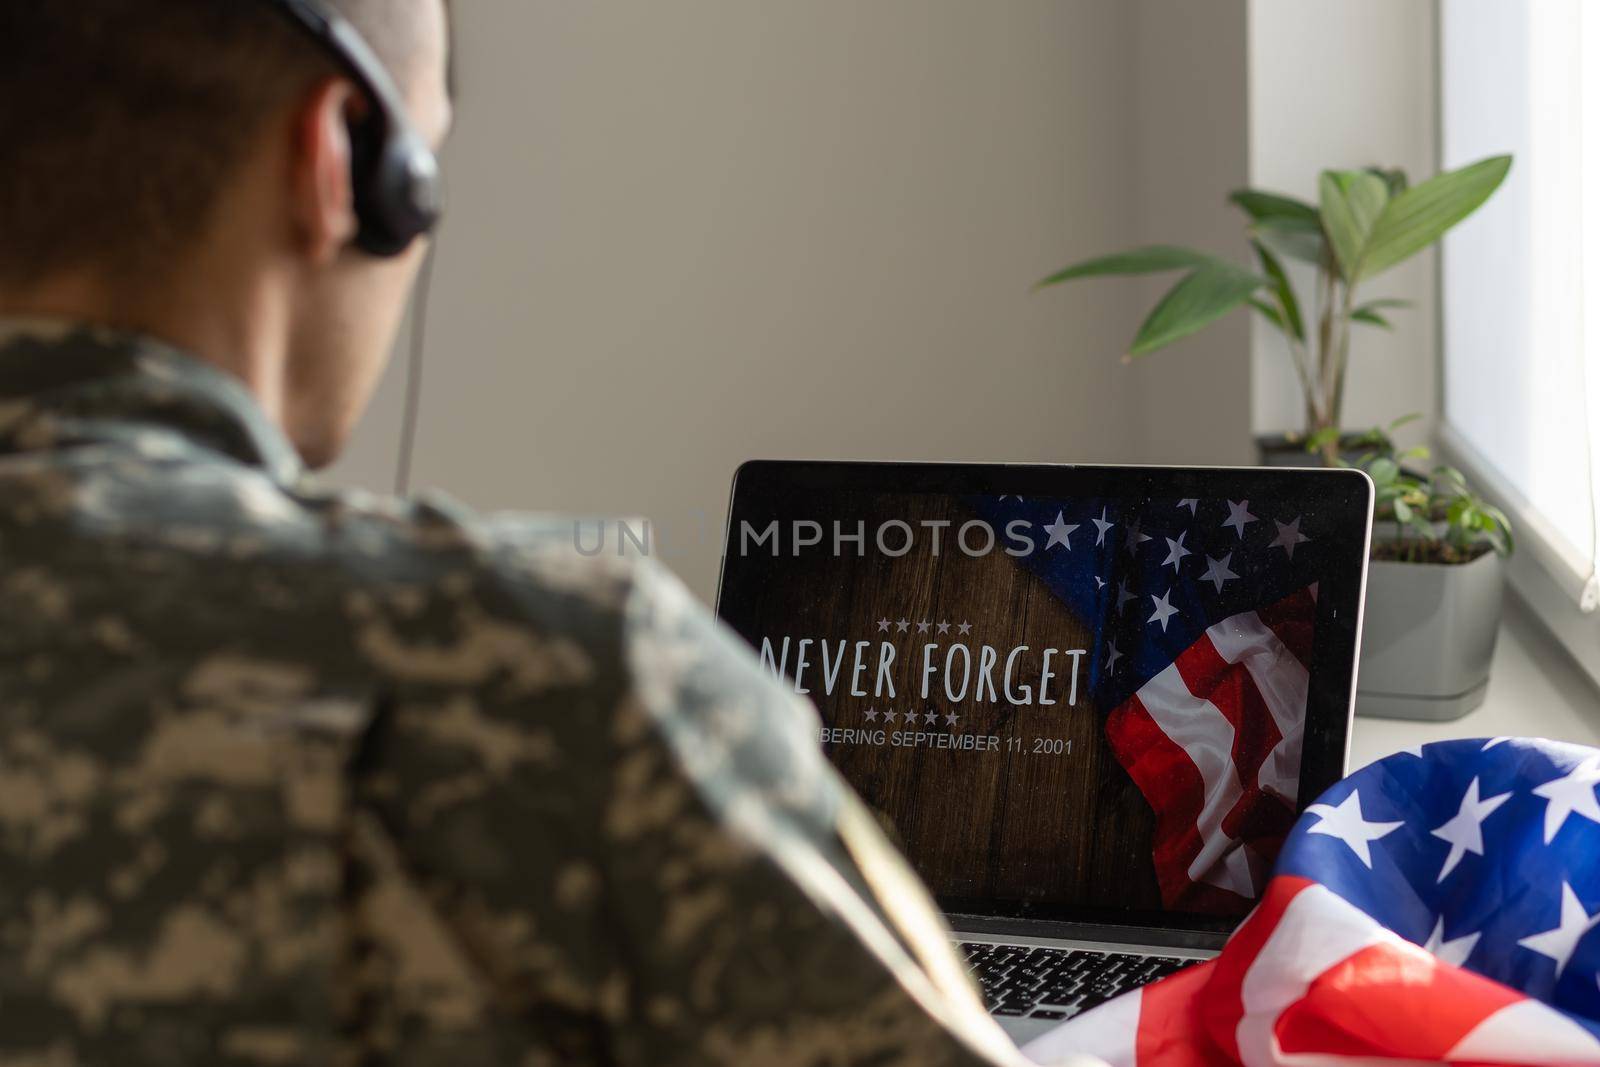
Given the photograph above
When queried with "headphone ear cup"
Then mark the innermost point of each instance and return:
(394, 174)
(398, 189)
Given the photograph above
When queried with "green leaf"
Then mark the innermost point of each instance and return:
(1384, 471)
(1290, 322)
(1322, 438)
(1369, 313)
(1268, 312)
(1395, 178)
(1375, 439)
(1300, 239)
(1422, 214)
(1506, 543)
(1148, 260)
(1402, 511)
(1352, 201)
(1201, 298)
(1261, 205)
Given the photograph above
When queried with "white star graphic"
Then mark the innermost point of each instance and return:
(1113, 653)
(1569, 795)
(1454, 951)
(943, 627)
(872, 715)
(924, 626)
(1176, 551)
(930, 718)
(1464, 831)
(1164, 609)
(903, 625)
(1289, 536)
(1347, 824)
(1191, 503)
(1562, 941)
(951, 719)
(883, 626)
(1060, 532)
(1217, 572)
(1123, 595)
(1239, 517)
(965, 628)
(1102, 524)
(1135, 538)
(890, 716)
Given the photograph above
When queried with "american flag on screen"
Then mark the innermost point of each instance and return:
(1203, 614)
(1438, 906)
(1213, 741)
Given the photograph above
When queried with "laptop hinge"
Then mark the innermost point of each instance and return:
(1204, 940)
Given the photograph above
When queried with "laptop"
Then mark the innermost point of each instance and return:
(1088, 703)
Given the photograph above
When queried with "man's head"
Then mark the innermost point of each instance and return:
(183, 168)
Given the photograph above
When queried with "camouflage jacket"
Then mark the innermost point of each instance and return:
(293, 776)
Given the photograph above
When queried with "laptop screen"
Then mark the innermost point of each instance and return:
(1081, 694)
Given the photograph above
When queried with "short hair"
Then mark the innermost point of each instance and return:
(124, 120)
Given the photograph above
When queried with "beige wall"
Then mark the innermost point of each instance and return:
(1346, 85)
(688, 234)
(1192, 148)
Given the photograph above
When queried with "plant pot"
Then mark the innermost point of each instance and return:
(1429, 638)
(1289, 450)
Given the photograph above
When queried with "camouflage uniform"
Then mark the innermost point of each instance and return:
(293, 776)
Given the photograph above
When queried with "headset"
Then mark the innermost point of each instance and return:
(399, 195)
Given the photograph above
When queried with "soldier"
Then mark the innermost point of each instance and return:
(290, 776)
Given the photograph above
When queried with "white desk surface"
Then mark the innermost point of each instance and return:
(1534, 691)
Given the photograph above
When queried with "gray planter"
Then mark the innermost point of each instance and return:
(1429, 638)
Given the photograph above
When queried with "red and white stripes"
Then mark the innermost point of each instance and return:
(1214, 744)
(1310, 980)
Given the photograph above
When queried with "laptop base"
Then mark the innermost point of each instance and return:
(1033, 984)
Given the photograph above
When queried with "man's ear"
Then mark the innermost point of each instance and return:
(324, 201)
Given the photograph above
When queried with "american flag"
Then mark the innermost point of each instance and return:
(1202, 614)
(1437, 906)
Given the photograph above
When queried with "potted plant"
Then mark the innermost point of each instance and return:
(1365, 222)
(1434, 591)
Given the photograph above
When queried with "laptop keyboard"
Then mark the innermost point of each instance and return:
(1058, 983)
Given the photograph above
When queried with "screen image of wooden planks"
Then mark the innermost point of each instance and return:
(1070, 830)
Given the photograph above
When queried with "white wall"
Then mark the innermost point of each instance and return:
(688, 234)
(1348, 84)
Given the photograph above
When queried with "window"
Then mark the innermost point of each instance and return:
(1520, 286)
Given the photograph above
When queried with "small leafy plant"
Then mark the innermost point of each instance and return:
(1365, 222)
(1436, 518)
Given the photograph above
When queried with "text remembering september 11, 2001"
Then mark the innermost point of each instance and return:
(882, 737)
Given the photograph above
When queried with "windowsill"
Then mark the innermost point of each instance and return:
(1535, 690)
